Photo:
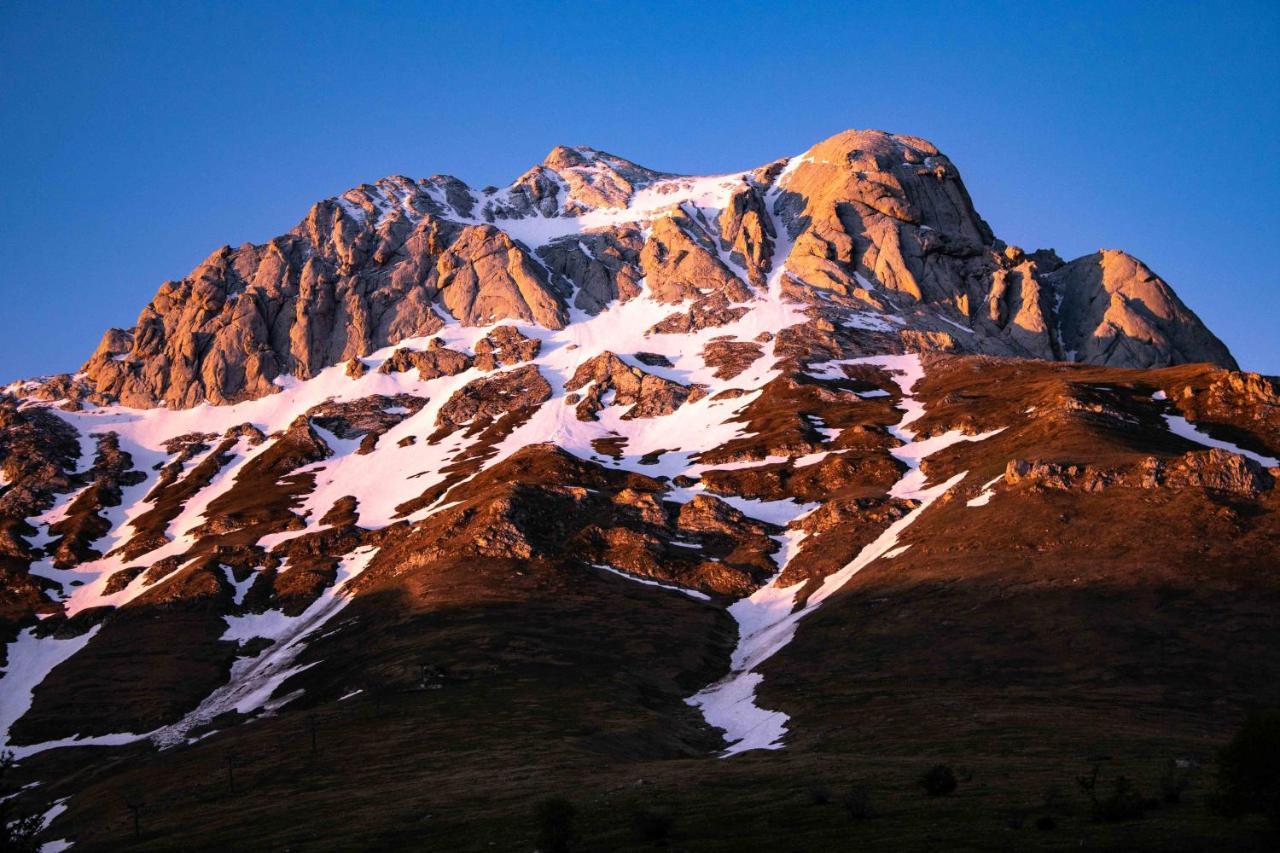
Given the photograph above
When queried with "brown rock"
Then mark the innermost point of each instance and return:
(505, 345)
(648, 395)
(730, 357)
(492, 396)
(432, 363)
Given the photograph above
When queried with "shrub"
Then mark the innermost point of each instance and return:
(651, 826)
(819, 795)
(17, 833)
(1123, 803)
(555, 825)
(939, 781)
(857, 802)
(1249, 769)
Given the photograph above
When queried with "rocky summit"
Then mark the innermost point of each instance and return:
(788, 508)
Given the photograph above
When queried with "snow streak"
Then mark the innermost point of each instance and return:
(767, 619)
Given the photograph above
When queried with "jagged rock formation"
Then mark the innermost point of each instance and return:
(881, 223)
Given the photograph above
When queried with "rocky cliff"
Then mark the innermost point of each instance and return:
(878, 223)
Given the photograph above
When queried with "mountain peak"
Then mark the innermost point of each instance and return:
(868, 231)
(568, 157)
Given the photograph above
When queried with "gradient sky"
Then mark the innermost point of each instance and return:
(139, 137)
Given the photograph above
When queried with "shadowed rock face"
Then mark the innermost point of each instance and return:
(879, 223)
(1115, 310)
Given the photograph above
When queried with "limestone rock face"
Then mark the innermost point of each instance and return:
(648, 395)
(865, 221)
(1115, 310)
(886, 208)
(887, 221)
(680, 264)
(484, 277)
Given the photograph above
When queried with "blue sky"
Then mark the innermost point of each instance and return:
(139, 137)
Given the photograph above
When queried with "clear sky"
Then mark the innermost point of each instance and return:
(139, 137)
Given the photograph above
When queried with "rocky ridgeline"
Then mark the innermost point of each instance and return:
(881, 224)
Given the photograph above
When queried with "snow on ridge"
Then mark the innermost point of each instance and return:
(30, 661)
(1183, 428)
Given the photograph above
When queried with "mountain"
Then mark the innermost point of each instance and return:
(692, 497)
(871, 224)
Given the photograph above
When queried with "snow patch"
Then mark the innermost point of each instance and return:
(30, 660)
(1180, 426)
(254, 680)
(984, 495)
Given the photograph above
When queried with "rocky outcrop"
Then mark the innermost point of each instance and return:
(730, 357)
(603, 266)
(570, 182)
(38, 456)
(1115, 310)
(505, 346)
(1214, 470)
(746, 232)
(889, 222)
(367, 418)
(435, 361)
(83, 523)
(883, 208)
(649, 396)
(490, 397)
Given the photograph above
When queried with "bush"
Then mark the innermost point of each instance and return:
(17, 833)
(1249, 769)
(651, 826)
(555, 825)
(857, 802)
(939, 781)
(1123, 803)
(819, 795)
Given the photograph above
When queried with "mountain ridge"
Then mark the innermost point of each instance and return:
(883, 224)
